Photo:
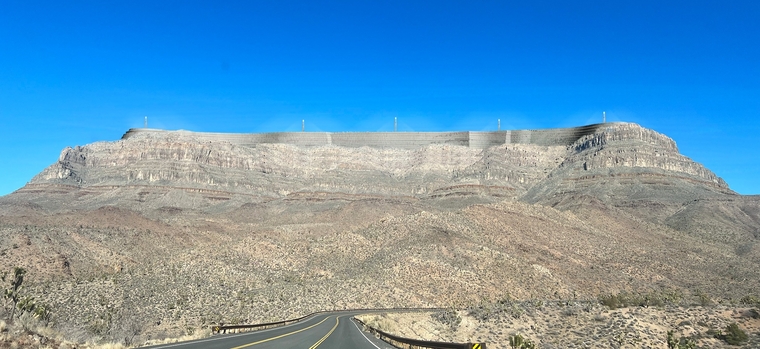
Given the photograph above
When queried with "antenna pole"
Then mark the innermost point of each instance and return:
(498, 121)
(303, 125)
(604, 117)
(395, 124)
(146, 122)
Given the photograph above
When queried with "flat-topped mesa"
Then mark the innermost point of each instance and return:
(400, 140)
(418, 164)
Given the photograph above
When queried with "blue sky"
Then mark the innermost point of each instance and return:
(75, 72)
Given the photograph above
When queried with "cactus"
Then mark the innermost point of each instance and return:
(13, 292)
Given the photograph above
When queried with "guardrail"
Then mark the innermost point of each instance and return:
(225, 328)
(215, 329)
(408, 343)
(399, 342)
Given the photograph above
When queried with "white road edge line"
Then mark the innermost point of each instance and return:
(229, 336)
(363, 335)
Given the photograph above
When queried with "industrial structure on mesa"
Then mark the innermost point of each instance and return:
(404, 140)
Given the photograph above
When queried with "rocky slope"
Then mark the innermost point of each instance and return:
(136, 169)
(572, 324)
(168, 232)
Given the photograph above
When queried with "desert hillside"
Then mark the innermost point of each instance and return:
(163, 233)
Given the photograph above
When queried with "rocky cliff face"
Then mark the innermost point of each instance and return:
(627, 166)
(173, 230)
(630, 145)
(605, 163)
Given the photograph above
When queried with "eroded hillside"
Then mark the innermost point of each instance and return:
(169, 231)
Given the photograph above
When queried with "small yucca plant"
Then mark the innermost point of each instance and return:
(519, 342)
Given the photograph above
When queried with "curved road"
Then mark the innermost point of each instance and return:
(332, 330)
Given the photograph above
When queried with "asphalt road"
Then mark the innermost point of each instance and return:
(329, 331)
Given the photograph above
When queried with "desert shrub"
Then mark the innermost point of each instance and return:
(750, 300)
(379, 322)
(754, 313)
(481, 312)
(514, 310)
(100, 324)
(651, 299)
(43, 313)
(570, 311)
(125, 328)
(614, 301)
(519, 342)
(680, 343)
(703, 299)
(447, 317)
(673, 296)
(488, 309)
(733, 335)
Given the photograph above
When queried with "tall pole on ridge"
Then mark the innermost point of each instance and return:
(146, 122)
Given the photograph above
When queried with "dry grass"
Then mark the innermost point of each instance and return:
(204, 333)
(379, 322)
(552, 326)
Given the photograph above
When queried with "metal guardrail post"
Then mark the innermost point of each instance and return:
(408, 343)
(399, 342)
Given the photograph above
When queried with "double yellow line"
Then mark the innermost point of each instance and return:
(337, 321)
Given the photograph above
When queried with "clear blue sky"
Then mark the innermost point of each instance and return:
(74, 72)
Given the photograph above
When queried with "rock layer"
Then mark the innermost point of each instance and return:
(176, 230)
(536, 165)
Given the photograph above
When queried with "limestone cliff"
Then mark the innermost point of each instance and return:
(177, 229)
(606, 161)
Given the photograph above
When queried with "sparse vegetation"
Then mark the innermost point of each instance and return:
(733, 335)
(16, 299)
(703, 299)
(517, 341)
(379, 322)
(750, 300)
(681, 342)
(448, 317)
(754, 313)
(651, 299)
(506, 306)
(12, 294)
(593, 326)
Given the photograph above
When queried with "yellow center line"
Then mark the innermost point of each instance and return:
(280, 336)
(337, 321)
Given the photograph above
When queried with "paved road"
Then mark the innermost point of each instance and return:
(329, 331)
